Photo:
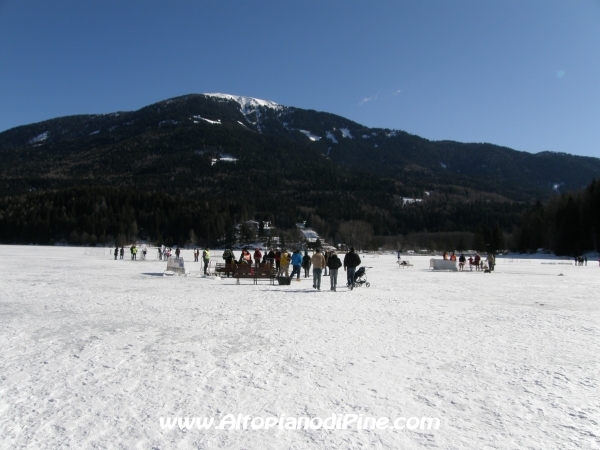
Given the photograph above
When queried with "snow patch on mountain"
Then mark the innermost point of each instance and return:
(346, 133)
(311, 136)
(39, 138)
(214, 122)
(331, 136)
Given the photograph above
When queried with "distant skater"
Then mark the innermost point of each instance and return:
(122, 252)
(116, 252)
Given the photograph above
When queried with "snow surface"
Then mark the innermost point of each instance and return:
(94, 351)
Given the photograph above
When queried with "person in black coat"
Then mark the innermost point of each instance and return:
(333, 263)
(306, 264)
(351, 262)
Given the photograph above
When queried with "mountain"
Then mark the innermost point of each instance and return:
(240, 157)
(127, 145)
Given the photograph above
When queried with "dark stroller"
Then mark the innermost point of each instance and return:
(360, 277)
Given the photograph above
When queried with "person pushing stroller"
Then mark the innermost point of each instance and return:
(351, 262)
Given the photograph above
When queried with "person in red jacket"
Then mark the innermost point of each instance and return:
(257, 256)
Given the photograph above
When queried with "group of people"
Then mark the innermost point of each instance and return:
(133, 250)
(474, 261)
(166, 252)
(323, 263)
(581, 260)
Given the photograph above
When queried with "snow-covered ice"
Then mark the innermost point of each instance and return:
(94, 351)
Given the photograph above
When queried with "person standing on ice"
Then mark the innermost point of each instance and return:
(122, 252)
(284, 263)
(257, 256)
(116, 252)
(326, 256)
(306, 264)
(206, 259)
(334, 264)
(461, 262)
(318, 262)
(271, 256)
(296, 263)
(491, 261)
(177, 253)
(277, 257)
(351, 262)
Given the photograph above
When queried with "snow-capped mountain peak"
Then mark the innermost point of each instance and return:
(247, 104)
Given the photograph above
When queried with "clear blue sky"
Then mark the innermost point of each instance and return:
(524, 73)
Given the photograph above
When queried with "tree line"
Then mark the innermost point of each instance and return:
(568, 224)
(117, 215)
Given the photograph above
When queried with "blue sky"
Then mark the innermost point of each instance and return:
(524, 74)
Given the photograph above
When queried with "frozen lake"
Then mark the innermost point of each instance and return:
(95, 351)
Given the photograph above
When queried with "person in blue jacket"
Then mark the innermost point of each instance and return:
(296, 263)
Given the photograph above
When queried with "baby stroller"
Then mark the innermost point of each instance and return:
(360, 277)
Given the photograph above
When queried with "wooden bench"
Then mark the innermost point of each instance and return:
(223, 268)
(253, 272)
